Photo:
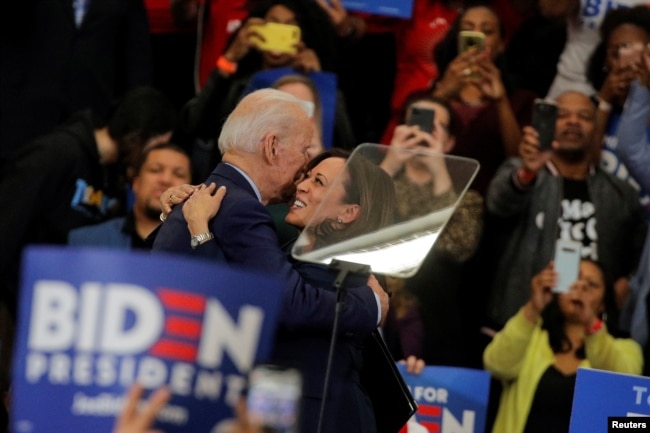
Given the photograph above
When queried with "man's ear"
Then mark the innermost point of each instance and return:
(350, 213)
(270, 148)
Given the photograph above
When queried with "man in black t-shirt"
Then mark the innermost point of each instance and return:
(560, 194)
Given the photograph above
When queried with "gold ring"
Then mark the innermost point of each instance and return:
(171, 197)
(467, 71)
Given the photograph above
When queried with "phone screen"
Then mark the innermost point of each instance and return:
(274, 398)
(422, 117)
(544, 118)
(470, 39)
(281, 38)
(566, 264)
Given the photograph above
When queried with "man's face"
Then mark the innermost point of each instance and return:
(293, 155)
(162, 169)
(576, 123)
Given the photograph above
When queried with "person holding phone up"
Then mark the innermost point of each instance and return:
(249, 53)
(538, 352)
(475, 81)
(560, 194)
(424, 185)
(634, 151)
(614, 65)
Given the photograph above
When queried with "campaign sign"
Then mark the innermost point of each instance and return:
(393, 8)
(600, 394)
(450, 399)
(93, 321)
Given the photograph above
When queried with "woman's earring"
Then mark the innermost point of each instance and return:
(340, 221)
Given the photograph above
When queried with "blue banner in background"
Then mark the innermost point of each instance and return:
(450, 399)
(600, 394)
(392, 8)
(91, 322)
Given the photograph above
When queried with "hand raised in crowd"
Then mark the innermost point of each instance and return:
(242, 44)
(335, 10)
(173, 196)
(585, 301)
(533, 158)
(202, 206)
(617, 83)
(383, 296)
(460, 72)
(239, 424)
(414, 365)
(541, 292)
(134, 420)
(306, 60)
(491, 83)
(345, 25)
(404, 137)
(435, 163)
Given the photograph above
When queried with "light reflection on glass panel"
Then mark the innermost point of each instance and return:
(397, 249)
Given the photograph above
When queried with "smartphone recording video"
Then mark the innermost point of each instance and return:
(273, 400)
(423, 118)
(566, 264)
(468, 39)
(280, 38)
(544, 118)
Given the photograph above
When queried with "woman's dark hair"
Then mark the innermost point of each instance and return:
(332, 153)
(425, 95)
(553, 319)
(447, 49)
(367, 185)
(316, 31)
(638, 16)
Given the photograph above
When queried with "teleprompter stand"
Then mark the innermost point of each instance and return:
(344, 269)
(392, 401)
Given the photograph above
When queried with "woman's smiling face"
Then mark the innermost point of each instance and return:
(311, 190)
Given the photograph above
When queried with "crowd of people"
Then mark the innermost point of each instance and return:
(115, 142)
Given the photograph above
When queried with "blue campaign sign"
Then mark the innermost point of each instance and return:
(91, 322)
(393, 8)
(450, 399)
(600, 394)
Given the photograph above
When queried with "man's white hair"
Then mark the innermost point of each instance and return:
(257, 114)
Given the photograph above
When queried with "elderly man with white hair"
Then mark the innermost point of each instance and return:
(264, 145)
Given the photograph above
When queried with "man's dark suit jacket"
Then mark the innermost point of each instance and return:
(245, 237)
